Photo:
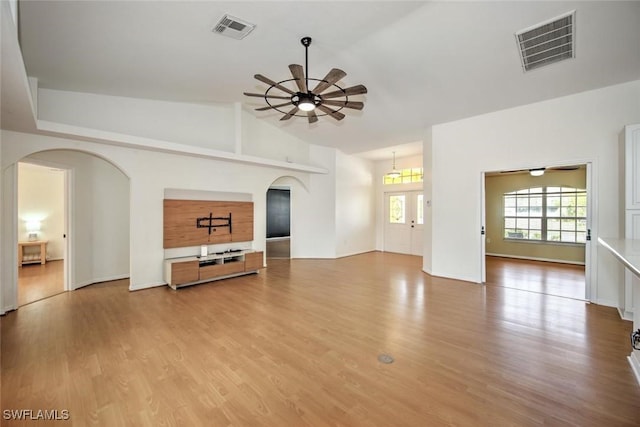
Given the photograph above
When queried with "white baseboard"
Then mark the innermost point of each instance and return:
(634, 361)
(624, 315)
(146, 286)
(354, 253)
(561, 261)
(100, 280)
(606, 303)
(275, 239)
(7, 309)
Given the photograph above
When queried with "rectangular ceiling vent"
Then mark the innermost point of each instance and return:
(233, 27)
(548, 42)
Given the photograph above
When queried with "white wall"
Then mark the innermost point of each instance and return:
(262, 139)
(355, 205)
(427, 164)
(575, 129)
(315, 210)
(209, 126)
(41, 198)
(2, 234)
(9, 217)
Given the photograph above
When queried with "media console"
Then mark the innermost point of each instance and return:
(186, 271)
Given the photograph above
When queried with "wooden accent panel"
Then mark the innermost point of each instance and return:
(253, 261)
(213, 271)
(181, 216)
(184, 272)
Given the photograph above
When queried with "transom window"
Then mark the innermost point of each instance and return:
(407, 176)
(550, 214)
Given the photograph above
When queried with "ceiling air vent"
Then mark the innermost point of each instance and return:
(548, 42)
(233, 27)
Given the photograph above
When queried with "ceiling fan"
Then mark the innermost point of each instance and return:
(307, 100)
(541, 171)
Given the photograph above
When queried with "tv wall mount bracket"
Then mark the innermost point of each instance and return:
(208, 222)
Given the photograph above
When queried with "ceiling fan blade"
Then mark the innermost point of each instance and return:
(290, 114)
(332, 76)
(335, 114)
(564, 168)
(313, 117)
(353, 90)
(298, 73)
(270, 107)
(262, 95)
(356, 105)
(270, 82)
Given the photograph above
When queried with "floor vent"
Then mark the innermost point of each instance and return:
(385, 358)
(233, 27)
(548, 42)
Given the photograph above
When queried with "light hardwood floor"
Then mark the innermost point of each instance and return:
(563, 280)
(280, 248)
(297, 345)
(38, 281)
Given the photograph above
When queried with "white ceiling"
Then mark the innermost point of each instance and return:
(424, 63)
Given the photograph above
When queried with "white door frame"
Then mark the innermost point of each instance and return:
(482, 231)
(590, 267)
(67, 247)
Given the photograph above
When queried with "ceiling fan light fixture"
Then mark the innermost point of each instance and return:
(394, 174)
(306, 104)
(536, 172)
(312, 102)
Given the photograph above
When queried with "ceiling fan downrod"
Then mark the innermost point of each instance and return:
(306, 41)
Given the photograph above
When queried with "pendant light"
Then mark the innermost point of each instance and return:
(394, 172)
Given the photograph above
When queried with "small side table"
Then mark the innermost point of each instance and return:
(41, 257)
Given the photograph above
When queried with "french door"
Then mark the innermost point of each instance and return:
(404, 222)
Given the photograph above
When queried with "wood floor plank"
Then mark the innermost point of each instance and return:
(297, 345)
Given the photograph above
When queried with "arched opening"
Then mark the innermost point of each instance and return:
(283, 196)
(93, 242)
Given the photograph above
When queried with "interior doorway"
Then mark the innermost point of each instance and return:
(278, 243)
(537, 230)
(97, 219)
(42, 223)
(404, 222)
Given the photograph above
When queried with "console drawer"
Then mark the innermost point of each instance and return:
(212, 271)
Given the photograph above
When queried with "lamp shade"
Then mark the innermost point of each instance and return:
(33, 225)
(395, 173)
(536, 172)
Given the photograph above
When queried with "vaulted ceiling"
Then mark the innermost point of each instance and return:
(424, 63)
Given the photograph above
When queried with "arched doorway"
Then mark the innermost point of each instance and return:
(95, 239)
(285, 198)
